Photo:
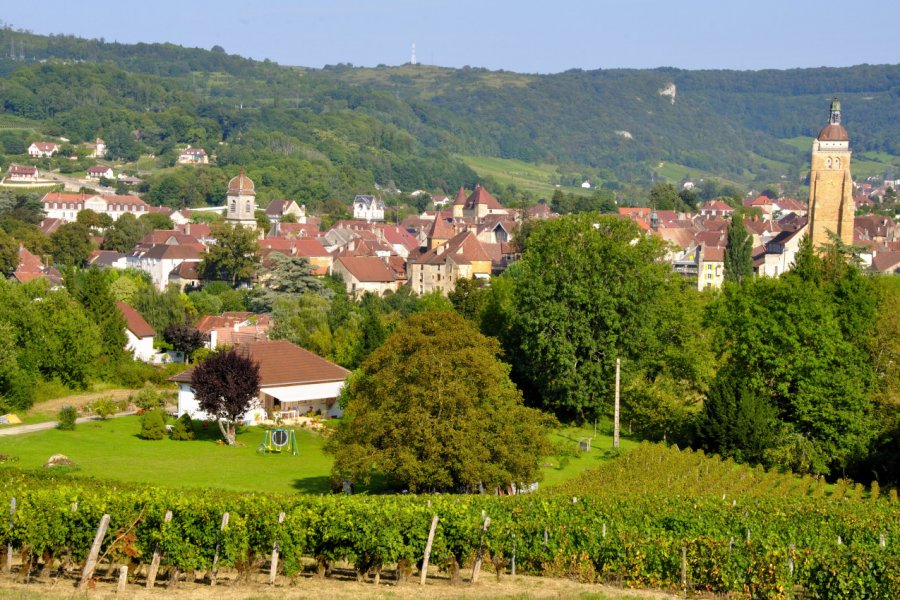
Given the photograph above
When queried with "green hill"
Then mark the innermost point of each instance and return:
(319, 134)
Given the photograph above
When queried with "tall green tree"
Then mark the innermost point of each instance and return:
(71, 244)
(123, 234)
(590, 289)
(16, 384)
(234, 257)
(160, 309)
(738, 252)
(9, 254)
(783, 339)
(288, 275)
(303, 320)
(433, 410)
(92, 288)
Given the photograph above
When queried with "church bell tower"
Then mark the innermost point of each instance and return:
(831, 207)
(241, 202)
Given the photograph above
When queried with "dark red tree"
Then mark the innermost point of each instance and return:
(184, 339)
(224, 384)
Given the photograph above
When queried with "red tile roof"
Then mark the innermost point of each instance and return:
(22, 170)
(283, 363)
(310, 248)
(461, 249)
(460, 199)
(134, 321)
(366, 268)
(482, 197)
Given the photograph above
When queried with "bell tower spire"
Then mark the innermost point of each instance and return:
(835, 118)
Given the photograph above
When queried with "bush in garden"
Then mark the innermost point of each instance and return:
(153, 425)
(147, 398)
(183, 429)
(66, 418)
(105, 407)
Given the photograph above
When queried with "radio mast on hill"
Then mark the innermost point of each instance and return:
(412, 59)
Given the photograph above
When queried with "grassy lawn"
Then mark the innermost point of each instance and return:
(572, 462)
(112, 450)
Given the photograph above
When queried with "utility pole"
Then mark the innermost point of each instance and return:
(616, 413)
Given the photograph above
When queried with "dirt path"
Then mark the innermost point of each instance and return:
(79, 400)
(519, 587)
(20, 429)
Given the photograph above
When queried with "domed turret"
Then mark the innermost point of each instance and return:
(834, 132)
(241, 186)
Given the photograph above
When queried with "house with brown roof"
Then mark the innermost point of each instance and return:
(193, 156)
(716, 208)
(139, 333)
(42, 149)
(186, 275)
(97, 148)
(365, 274)
(776, 256)
(159, 260)
(293, 382)
(279, 209)
(462, 256)
(477, 205)
(22, 173)
(97, 172)
(66, 206)
(886, 262)
(31, 267)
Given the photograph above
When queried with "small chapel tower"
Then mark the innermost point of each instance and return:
(831, 207)
(241, 202)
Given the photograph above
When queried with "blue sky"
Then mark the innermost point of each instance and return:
(525, 35)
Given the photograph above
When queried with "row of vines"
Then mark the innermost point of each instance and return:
(765, 546)
(657, 468)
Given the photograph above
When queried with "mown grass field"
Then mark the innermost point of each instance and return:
(526, 176)
(112, 450)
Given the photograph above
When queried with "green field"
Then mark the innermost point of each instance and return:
(112, 450)
(526, 176)
(863, 164)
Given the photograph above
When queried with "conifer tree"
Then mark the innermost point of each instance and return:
(738, 252)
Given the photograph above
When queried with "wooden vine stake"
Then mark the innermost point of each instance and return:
(273, 568)
(684, 570)
(476, 568)
(431, 532)
(214, 570)
(157, 556)
(123, 579)
(9, 548)
(91, 563)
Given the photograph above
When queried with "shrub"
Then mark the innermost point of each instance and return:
(66, 418)
(153, 425)
(147, 398)
(105, 407)
(183, 429)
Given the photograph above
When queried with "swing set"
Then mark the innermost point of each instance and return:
(278, 441)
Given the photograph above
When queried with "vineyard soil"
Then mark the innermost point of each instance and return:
(520, 587)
